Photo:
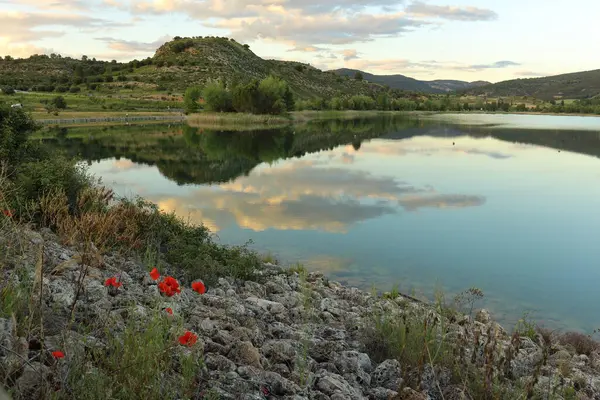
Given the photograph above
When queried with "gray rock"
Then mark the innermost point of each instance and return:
(269, 306)
(324, 350)
(387, 375)
(483, 316)
(333, 384)
(354, 366)
(279, 385)
(279, 351)
(246, 354)
(29, 384)
(218, 362)
(382, 394)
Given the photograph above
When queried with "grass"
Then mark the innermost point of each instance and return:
(98, 114)
(236, 121)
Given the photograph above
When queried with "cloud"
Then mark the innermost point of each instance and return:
(441, 201)
(350, 54)
(308, 49)
(451, 13)
(497, 64)
(66, 5)
(305, 195)
(130, 46)
(206, 9)
(334, 28)
(20, 30)
(403, 66)
(530, 74)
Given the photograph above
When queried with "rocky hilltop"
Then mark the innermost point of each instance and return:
(288, 335)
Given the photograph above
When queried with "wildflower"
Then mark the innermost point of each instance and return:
(154, 274)
(169, 310)
(169, 286)
(199, 287)
(58, 354)
(188, 339)
(7, 213)
(112, 281)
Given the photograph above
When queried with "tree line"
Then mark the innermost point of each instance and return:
(271, 95)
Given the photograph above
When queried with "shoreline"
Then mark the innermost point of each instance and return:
(256, 121)
(293, 332)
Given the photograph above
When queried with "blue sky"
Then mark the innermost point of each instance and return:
(426, 39)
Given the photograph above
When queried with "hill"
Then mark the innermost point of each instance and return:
(576, 85)
(403, 82)
(176, 65)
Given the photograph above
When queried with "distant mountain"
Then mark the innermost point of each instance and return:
(576, 85)
(403, 82)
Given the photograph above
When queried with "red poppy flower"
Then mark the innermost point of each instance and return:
(58, 354)
(169, 286)
(7, 213)
(112, 281)
(188, 339)
(169, 311)
(199, 287)
(154, 274)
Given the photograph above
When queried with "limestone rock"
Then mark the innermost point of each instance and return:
(387, 375)
(246, 354)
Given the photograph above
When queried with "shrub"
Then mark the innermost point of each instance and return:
(59, 102)
(8, 90)
(582, 344)
(190, 99)
(217, 97)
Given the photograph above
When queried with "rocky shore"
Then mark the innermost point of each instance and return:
(287, 335)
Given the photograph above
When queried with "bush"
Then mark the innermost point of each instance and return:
(8, 90)
(217, 97)
(59, 102)
(190, 99)
(582, 344)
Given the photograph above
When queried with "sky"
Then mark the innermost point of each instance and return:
(425, 39)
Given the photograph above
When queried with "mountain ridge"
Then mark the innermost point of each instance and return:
(403, 82)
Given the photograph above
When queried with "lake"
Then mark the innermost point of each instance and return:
(506, 203)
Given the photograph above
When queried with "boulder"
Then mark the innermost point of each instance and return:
(387, 375)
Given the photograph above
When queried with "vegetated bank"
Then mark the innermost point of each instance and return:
(84, 315)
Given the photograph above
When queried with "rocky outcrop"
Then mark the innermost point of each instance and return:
(285, 336)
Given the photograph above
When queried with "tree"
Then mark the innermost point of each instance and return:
(59, 102)
(358, 76)
(190, 99)
(217, 97)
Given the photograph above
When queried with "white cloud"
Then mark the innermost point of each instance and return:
(131, 46)
(452, 13)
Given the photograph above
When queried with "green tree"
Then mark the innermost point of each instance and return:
(272, 95)
(358, 76)
(190, 99)
(217, 97)
(59, 102)
(383, 101)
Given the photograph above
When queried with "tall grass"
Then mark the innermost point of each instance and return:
(236, 121)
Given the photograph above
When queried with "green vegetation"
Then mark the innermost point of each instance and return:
(46, 186)
(402, 82)
(577, 85)
(191, 98)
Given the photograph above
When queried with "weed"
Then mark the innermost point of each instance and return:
(526, 327)
(468, 298)
(579, 342)
(297, 268)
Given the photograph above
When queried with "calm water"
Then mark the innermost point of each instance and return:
(500, 204)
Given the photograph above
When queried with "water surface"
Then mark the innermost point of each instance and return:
(421, 204)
